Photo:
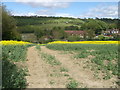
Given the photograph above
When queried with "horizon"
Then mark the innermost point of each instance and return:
(64, 9)
(66, 17)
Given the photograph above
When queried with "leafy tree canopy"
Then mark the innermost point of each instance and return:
(95, 25)
(8, 26)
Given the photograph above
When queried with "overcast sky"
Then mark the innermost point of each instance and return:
(64, 9)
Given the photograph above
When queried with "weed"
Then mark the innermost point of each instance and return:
(51, 82)
(81, 55)
(38, 47)
(66, 75)
(62, 69)
(72, 84)
(50, 59)
(105, 55)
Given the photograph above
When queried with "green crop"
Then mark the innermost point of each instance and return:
(105, 55)
(12, 75)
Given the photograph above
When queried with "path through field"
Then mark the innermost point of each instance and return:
(37, 78)
(43, 75)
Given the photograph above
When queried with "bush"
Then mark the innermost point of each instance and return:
(101, 37)
(73, 38)
(14, 52)
(12, 76)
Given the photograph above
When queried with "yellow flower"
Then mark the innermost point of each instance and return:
(85, 42)
(11, 42)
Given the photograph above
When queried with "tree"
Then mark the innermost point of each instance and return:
(9, 31)
(112, 26)
(58, 33)
(74, 38)
(90, 34)
(96, 25)
(39, 33)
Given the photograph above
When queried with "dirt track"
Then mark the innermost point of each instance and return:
(40, 71)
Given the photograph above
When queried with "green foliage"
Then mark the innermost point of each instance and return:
(74, 38)
(72, 84)
(52, 82)
(54, 33)
(105, 56)
(9, 31)
(26, 29)
(14, 52)
(71, 28)
(39, 33)
(90, 34)
(50, 59)
(22, 20)
(81, 55)
(12, 76)
(116, 37)
(58, 33)
(55, 26)
(38, 47)
(96, 25)
(113, 25)
(107, 76)
(118, 82)
(101, 37)
(62, 69)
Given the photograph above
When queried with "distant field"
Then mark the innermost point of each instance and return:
(21, 21)
(29, 37)
(29, 25)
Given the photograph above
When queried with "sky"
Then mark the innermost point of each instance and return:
(63, 9)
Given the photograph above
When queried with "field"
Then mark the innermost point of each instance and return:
(87, 64)
(56, 45)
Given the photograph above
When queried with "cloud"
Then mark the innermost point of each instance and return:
(43, 12)
(46, 4)
(24, 14)
(49, 12)
(64, 15)
(110, 11)
(44, 0)
(61, 0)
(101, 11)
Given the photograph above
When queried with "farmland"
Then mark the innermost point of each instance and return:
(40, 49)
(60, 65)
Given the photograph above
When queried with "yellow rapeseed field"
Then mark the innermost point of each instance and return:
(85, 42)
(11, 42)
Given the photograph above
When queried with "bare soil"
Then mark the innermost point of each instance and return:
(43, 75)
(37, 77)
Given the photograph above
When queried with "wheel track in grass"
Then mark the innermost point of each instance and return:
(85, 77)
(37, 77)
(40, 72)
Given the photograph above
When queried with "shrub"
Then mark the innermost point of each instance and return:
(72, 84)
(12, 76)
